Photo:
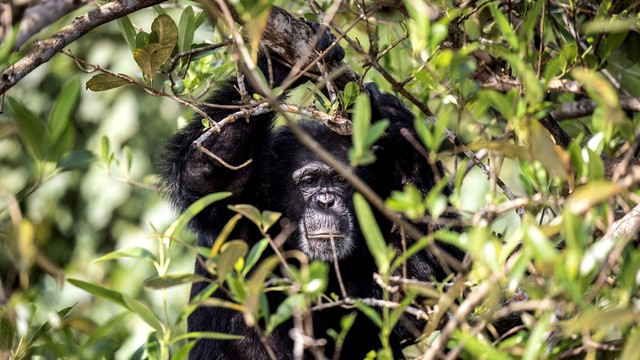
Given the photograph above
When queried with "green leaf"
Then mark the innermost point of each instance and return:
(268, 219)
(375, 132)
(504, 26)
(250, 212)
(32, 131)
(121, 299)
(151, 57)
(361, 122)
(590, 195)
(632, 345)
(142, 39)
(255, 285)
(102, 82)
(167, 32)
(350, 93)
(194, 209)
(285, 311)
(479, 346)
(62, 110)
(254, 255)
(162, 282)
(78, 159)
(187, 27)
(372, 234)
(224, 235)
(230, 253)
(370, 312)
(105, 147)
(131, 252)
(206, 335)
(153, 347)
(183, 352)
(128, 31)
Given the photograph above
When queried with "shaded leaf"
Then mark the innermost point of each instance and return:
(102, 82)
(231, 252)
(79, 159)
(32, 131)
(161, 282)
(151, 57)
(167, 31)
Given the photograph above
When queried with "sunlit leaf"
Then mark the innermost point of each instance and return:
(248, 211)
(194, 209)
(372, 234)
(254, 254)
(224, 235)
(131, 252)
(120, 299)
(586, 197)
(60, 118)
(206, 335)
(186, 28)
(128, 31)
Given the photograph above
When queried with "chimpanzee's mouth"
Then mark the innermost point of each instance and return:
(325, 235)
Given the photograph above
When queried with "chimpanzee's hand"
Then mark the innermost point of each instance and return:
(326, 39)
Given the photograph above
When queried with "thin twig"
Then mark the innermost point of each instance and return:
(336, 267)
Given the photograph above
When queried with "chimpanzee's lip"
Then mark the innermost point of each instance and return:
(325, 235)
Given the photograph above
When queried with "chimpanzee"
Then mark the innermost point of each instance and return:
(287, 177)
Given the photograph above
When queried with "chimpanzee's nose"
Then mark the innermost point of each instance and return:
(326, 200)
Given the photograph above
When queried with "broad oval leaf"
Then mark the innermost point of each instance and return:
(102, 82)
(151, 57)
(230, 253)
(167, 32)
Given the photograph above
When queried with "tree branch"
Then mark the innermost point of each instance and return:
(44, 50)
(587, 106)
(36, 17)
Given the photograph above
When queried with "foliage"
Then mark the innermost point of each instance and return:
(82, 224)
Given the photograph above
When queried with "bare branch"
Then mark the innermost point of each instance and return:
(44, 50)
(37, 17)
(587, 106)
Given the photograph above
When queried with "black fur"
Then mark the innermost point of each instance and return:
(267, 183)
